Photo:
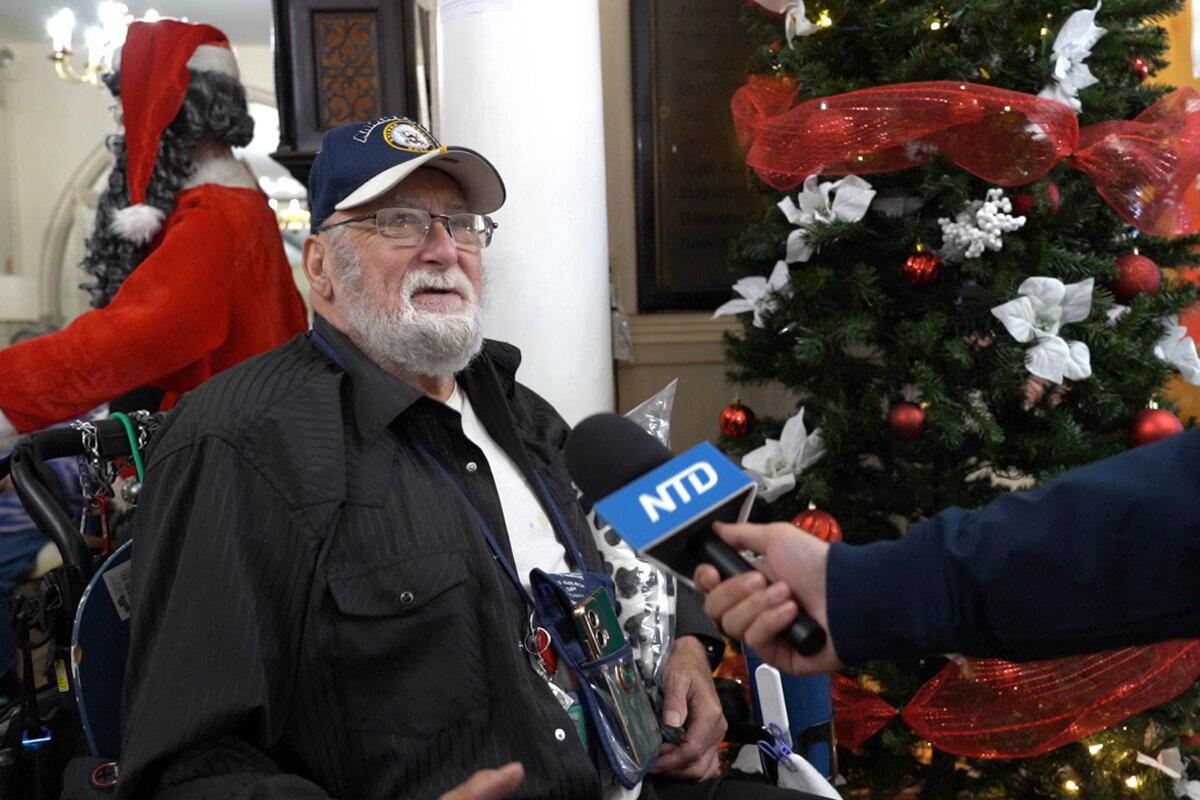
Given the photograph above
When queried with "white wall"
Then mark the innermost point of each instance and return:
(521, 82)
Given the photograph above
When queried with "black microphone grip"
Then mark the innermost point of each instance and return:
(805, 636)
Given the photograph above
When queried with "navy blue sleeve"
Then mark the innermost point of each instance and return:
(1103, 556)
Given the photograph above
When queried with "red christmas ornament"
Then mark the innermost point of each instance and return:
(819, 523)
(1136, 275)
(906, 421)
(922, 268)
(1141, 67)
(736, 419)
(1025, 202)
(1152, 424)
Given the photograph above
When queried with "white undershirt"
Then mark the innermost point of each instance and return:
(530, 533)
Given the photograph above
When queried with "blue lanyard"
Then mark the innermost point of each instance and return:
(498, 552)
(316, 338)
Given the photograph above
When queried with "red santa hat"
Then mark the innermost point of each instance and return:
(154, 64)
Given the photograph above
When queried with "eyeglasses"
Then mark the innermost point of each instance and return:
(410, 226)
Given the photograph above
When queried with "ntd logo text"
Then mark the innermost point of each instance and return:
(700, 477)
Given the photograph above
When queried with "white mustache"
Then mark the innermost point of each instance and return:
(453, 280)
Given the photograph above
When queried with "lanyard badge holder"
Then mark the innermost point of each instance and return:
(578, 611)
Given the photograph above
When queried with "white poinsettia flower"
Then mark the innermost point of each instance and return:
(776, 464)
(1072, 46)
(795, 21)
(1178, 349)
(1037, 315)
(757, 294)
(1171, 764)
(846, 200)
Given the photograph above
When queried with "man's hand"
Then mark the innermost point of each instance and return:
(746, 608)
(690, 700)
(489, 784)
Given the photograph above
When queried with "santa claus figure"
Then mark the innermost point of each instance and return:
(188, 273)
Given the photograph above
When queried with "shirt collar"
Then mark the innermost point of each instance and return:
(379, 398)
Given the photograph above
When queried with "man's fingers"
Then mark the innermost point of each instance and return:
(728, 594)
(766, 627)
(489, 784)
(745, 535)
(675, 708)
(738, 618)
(706, 578)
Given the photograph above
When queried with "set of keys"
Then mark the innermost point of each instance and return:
(538, 645)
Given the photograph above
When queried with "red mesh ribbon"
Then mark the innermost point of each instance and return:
(1144, 168)
(858, 713)
(997, 709)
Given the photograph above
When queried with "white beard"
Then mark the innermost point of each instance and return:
(411, 341)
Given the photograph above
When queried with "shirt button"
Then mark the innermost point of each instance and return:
(406, 597)
(472, 466)
(560, 734)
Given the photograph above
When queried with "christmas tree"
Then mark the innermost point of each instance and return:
(967, 288)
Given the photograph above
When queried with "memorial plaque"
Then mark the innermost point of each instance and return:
(689, 56)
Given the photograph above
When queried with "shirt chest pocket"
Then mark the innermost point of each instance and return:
(408, 650)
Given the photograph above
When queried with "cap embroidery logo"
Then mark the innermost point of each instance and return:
(406, 135)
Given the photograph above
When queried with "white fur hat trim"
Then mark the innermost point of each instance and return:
(137, 224)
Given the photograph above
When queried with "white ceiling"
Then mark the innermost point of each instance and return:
(243, 21)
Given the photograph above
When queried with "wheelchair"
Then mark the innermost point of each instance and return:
(77, 615)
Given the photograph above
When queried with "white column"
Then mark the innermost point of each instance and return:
(519, 81)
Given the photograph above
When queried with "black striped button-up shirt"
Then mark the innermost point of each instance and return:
(316, 612)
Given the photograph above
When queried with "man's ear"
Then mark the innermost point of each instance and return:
(317, 265)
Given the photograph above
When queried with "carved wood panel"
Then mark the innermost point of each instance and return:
(347, 61)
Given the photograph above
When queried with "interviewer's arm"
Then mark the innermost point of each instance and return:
(1104, 556)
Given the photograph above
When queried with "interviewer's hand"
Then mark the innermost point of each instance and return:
(489, 784)
(747, 608)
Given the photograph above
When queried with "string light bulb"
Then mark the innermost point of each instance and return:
(1095, 748)
(1070, 785)
(1044, 30)
(1133, 782)
(824, 20)
(936, 25)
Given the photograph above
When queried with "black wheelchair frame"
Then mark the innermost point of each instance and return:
(41, 731)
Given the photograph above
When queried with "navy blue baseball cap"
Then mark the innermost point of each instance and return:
(362, 161)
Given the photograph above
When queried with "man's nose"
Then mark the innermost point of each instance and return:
(439, 244)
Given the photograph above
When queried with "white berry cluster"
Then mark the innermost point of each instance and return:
(978, 227)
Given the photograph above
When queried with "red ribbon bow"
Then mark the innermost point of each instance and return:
(1145, 168)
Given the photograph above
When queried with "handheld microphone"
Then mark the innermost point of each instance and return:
(664, 506)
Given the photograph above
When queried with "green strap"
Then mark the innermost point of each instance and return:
(133, 446)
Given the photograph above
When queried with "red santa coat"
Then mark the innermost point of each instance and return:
(215, 290)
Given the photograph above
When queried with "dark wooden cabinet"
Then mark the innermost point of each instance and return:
(339, 61)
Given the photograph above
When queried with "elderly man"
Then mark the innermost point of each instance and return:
(317, 609)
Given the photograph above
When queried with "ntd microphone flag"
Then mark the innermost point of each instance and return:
(685, 496)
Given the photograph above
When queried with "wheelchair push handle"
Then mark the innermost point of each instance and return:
(33, 450)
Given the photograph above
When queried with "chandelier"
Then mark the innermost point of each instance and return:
(101, 40)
